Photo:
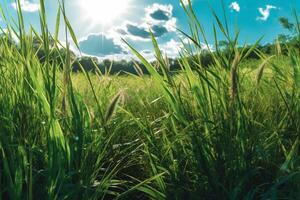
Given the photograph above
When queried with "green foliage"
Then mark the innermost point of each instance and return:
(226, 126)
(286, 24)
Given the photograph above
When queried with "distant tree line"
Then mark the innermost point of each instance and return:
(283, 41)
(92, 64)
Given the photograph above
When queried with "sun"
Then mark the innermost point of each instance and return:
(103, 12)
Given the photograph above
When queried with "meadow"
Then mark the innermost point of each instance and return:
(224, 131)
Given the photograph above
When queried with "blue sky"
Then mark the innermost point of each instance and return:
(100, 24)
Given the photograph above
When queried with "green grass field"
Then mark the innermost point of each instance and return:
(226, 131)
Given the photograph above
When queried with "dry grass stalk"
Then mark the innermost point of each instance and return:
(234, 76)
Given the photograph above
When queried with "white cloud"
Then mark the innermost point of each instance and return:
(27, 6)
(165, 12)
(171, 48)
(3, 31)
(158, 17)
(207, 47)
(265, 12)
(147, 54)
(171, 25)
(169, 22)
(235, 6)
(13, 35)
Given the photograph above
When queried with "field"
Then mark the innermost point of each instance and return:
(224, 131)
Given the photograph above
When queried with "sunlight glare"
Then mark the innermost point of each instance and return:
(103, 12)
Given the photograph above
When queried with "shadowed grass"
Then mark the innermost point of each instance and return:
(225, 131)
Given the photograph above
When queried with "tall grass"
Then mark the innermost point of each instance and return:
(210, 132)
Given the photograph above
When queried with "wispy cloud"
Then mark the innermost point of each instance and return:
(265, 13)
(234, 6)
(27, 6)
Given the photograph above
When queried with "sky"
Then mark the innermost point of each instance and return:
(100, 25)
